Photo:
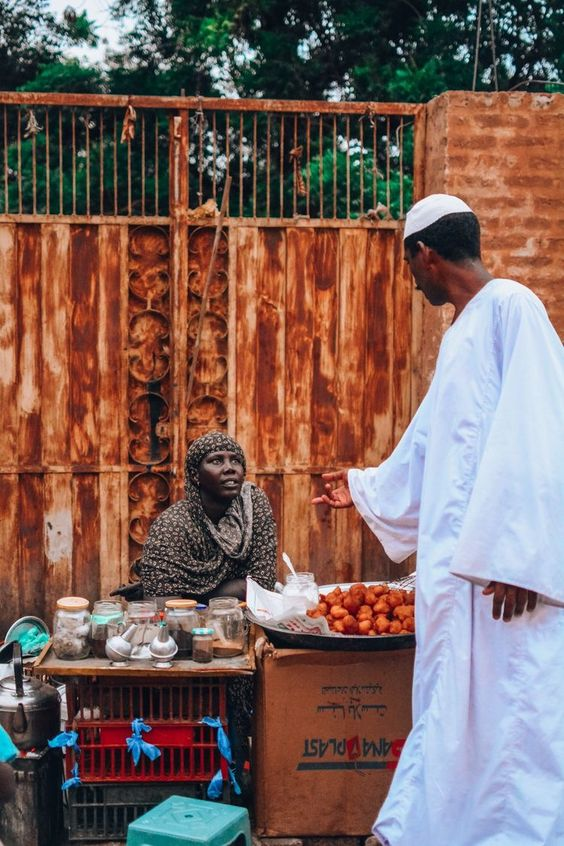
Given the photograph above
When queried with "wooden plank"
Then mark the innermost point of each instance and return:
(110, 533)
(402, 297)
(55, 319)
(86, 539)
(57, 539)
(9, 551)
(246, 341)
(272, 485)
(32, 573)
(348, 546)
(270, 348)
(378, 407)
(296, 520)
(350, 353)
(109, 345)
(8, 358)
(324, 412)
(322, 535)
(299, 335)
(84, 349)
(29, 352)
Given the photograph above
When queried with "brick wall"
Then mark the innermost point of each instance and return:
(504, 155)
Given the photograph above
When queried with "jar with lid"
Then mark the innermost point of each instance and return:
(304, 585)
(225, 617)
(182, 616)
(144, 613)
(71, 628)
(105, 613)
(202, 645)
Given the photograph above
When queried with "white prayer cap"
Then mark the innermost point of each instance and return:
(430, 209)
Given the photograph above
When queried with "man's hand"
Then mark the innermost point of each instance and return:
(513, 600)
(336, 497)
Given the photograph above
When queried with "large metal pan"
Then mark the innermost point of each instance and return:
(283, 639)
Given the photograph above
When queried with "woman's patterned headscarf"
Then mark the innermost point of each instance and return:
(211, 442)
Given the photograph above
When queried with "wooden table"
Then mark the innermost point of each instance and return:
(47, 664)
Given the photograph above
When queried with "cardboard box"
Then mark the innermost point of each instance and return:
(329, 728)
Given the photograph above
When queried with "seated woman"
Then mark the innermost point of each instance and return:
(207, 544)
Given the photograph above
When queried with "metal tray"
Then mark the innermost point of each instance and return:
(283, 639)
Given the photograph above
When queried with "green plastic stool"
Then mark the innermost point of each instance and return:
(182, 821)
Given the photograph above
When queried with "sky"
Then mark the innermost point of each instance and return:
(99, 12)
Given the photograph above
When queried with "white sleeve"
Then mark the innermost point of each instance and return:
(388, 497)
(513, 530)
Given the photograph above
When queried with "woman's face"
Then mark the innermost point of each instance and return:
(221, 475)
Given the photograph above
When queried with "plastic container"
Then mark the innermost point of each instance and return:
(202, 645)
(182, 616)
(302, 584)
(106, 612)
(71, 628)
(225, 617)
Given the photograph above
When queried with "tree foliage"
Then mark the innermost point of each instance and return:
(405, 50)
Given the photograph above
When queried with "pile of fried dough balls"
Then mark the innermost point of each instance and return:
(367, 610)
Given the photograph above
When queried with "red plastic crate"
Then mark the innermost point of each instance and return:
(184, 699)
(188, 753)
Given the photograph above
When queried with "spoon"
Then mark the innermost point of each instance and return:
(287, 561)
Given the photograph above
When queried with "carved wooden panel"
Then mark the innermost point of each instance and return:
(149, 330)
(207, 405)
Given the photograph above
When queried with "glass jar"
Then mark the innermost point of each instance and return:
(182, 616)
(226, 619)
(302, 584)
(202, 645)
(71, 628)
(144, 613)
(105, 612)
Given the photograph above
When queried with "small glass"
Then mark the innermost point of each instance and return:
(202, 645)
(202, 610)
(144, 613)
(105, 612)
(302, 584)
(182, 616)
(225, 617)
(71, 628)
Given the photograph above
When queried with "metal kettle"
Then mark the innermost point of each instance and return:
(30, 711)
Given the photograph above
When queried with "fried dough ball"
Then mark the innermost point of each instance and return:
(314, 613)
(380, 590)
(409, 597)
(370, 597)
(350, 624)
(382, 607)
(403, 611)
(381, 624)
(409, 623)
(395, 627)
(394, 598)
(339, 626)
(351, 603)
(365, 627)
(338, 612)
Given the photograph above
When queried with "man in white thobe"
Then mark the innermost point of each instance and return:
(476, 487)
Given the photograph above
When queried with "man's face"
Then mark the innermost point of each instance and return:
(423, 269)
(221, 475)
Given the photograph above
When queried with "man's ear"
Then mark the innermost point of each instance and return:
(430, 256)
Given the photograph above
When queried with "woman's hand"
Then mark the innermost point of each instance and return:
(513, 600)
(336, 497)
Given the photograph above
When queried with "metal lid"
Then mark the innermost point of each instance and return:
(181, 603)
(73, 603)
